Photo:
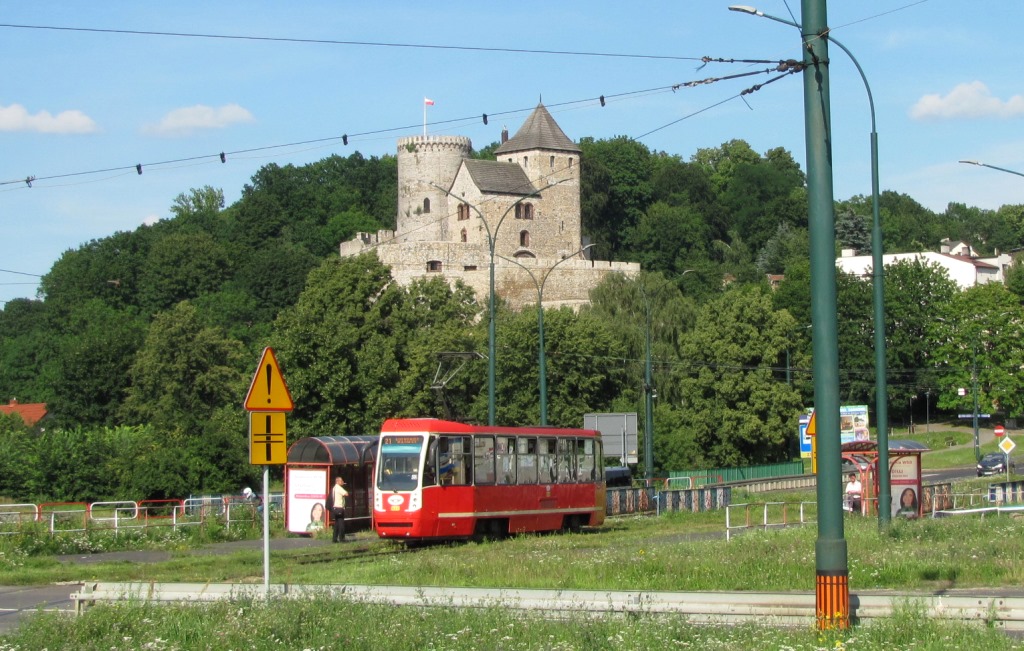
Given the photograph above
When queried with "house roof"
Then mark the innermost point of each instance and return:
(540, 131)
(500, 178)
(31, 413)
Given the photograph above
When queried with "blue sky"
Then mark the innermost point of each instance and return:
(945, 75)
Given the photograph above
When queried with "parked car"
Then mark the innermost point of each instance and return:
(994, 463)
(854, 463)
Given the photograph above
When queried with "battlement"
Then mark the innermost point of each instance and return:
(456, 144)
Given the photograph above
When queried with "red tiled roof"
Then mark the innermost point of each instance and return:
(31, 413)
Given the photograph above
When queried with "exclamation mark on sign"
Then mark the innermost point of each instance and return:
(270, 369)
(268, 431)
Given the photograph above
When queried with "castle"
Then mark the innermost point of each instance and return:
(454, 212)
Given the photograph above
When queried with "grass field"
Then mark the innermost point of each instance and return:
(651, 553)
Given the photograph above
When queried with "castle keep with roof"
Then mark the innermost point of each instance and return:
(528, 200)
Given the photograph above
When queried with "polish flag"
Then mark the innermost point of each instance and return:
(428, 102)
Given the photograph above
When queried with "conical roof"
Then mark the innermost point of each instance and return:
(540, 131)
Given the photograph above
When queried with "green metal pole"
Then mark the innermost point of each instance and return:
(492, 237)
(881, 386)
(491, 373)
(648, 401)
(974, 390)
(541, 356)
(832, 593)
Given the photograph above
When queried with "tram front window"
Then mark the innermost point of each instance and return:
(399, 462)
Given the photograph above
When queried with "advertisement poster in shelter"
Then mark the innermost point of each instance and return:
(306, 499)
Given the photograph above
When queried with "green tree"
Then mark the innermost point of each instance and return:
(182, 266)
(359, 348)
(615, 191)
(976, 342)
(95, 352)
(183, 373)
(736, 409)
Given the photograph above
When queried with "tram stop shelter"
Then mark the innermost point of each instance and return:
(313, 463)
(861, 458)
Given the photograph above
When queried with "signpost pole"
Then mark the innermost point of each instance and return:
(266, 530)
(268, 402)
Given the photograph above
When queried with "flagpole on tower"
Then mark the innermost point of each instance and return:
(426, 103)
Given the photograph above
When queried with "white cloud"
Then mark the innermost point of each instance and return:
(17, 118)
(151, 219)
(184, 121)
(971, 100)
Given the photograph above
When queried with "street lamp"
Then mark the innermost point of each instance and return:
(491, 241)
(541, 360)
(649, 392)
(1001, 169)
(832, 573)
(878, 285)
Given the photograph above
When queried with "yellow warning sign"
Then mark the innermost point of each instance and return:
(268, 438)
(268, 392)
(812, 425)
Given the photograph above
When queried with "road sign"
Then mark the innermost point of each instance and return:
(268, 438)
(998, 430)
(268, 391)
(1007, 445)
(812, 426)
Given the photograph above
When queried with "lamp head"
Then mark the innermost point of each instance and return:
(971, 162)
(745, 9)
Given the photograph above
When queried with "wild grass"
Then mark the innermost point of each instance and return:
(326, 623)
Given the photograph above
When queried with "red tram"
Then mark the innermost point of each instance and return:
(437, 479)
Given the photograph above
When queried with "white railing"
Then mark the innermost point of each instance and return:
(770, 514)
(116, 516)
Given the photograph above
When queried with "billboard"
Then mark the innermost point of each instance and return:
(618, 434)
(853, 426)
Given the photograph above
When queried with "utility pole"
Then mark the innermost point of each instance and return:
(832, 588)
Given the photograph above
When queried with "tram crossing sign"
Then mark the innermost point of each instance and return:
(268, 438)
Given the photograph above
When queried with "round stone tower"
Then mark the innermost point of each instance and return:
(425, 161)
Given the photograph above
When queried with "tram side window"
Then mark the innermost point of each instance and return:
(505, 455)
(585, 460)
(527, 458)
(483, 459)
(453, 461)
(547, 467)
(566, 468)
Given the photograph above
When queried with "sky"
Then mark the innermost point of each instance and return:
(90, 90)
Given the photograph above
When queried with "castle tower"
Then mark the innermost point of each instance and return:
(423, 161)
(548, 156)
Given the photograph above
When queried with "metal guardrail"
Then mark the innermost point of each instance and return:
(77, 517)
(770, 608)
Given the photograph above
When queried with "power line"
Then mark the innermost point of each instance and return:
(602, 100)
(317, 41)
(20, 273)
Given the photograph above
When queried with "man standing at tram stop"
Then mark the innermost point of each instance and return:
(336, 505)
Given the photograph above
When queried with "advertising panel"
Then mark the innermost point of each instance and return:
(853, 426)
(306, 499)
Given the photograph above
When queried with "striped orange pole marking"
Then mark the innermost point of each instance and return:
(832, 600)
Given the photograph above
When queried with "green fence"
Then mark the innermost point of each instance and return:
(707, 476)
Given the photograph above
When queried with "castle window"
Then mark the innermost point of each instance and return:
(526, 160)
(426, 206)
(524, 238)
(434, 266)
(463, 212)
(552, 163)
(464, 235)
(469, 267)
(570, 161)
(519, 211)
(527, 211)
